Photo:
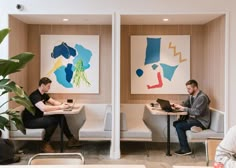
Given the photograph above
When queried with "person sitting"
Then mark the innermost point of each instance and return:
(43, 103)
(7, 151)
(226, 150)
(197, 107)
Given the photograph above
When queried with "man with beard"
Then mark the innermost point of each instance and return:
(197, 107)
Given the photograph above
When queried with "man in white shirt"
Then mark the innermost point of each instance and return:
(226, 150)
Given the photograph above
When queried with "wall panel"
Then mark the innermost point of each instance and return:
(196, 43)
(213, 60)
(18, 40)
(104, 31)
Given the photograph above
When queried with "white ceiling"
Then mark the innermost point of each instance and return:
(73, 19)
(177, 19)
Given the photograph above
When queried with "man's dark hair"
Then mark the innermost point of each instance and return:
(44, 81)
(192, 83)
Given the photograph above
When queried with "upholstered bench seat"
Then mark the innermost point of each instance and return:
(94, 130)
(98, 126)
(208, 133)
(31, 134)
(136, 127)
(136, 132)
(216, 129)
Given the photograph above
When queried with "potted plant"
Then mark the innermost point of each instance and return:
(7, 67)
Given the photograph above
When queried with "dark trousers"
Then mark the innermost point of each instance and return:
(49, 123)
(182, 127)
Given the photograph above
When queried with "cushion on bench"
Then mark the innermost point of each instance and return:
(134, 129)
(94, 130)
(208, 133)
(136, 132)
(216, 129)
(108, 120)
(217, 122)
(31, 134)
(93, 127)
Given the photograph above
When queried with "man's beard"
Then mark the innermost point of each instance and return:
(192, 93)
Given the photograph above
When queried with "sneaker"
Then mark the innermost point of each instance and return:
(183, 152)
(47, 148)
(73, 142)
(178, 151)
(196, 129)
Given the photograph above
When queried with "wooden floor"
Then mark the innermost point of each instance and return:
(131, 153)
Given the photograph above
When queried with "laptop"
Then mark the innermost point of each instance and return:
(166, 106)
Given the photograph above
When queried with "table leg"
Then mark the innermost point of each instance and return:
(168, 137)
(62, 126)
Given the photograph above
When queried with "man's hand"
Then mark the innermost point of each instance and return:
(179, 107)
(64, 106)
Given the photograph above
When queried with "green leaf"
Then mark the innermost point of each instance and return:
(3, 34)
(4, 123)
(4, 81)
(13, 87)
(14, 64)
(19, 124)
(4, 92)
(25, 102)
(11, 112)
(16, 119)
(16, 89)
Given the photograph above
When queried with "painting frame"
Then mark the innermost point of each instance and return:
(71, 62)
(160, 64)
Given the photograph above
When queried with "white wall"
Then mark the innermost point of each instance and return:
(135, 6)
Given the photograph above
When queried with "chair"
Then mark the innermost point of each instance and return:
(211, 145)
(57, 159)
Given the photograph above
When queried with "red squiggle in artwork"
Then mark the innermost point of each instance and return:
(160, 83)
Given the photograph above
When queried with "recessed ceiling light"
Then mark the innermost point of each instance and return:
(65, 20)
(165, 20)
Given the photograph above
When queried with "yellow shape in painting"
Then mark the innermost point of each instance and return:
(55, 66)
(177, 53)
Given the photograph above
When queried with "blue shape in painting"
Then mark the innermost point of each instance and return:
(153, 50)
(84, 55)
(168, 71)
(69, 72)
(61, 77)
(154, 66)
(139, 72)
(64, 50)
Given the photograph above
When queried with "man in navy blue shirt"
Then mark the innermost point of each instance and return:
(43, 103)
